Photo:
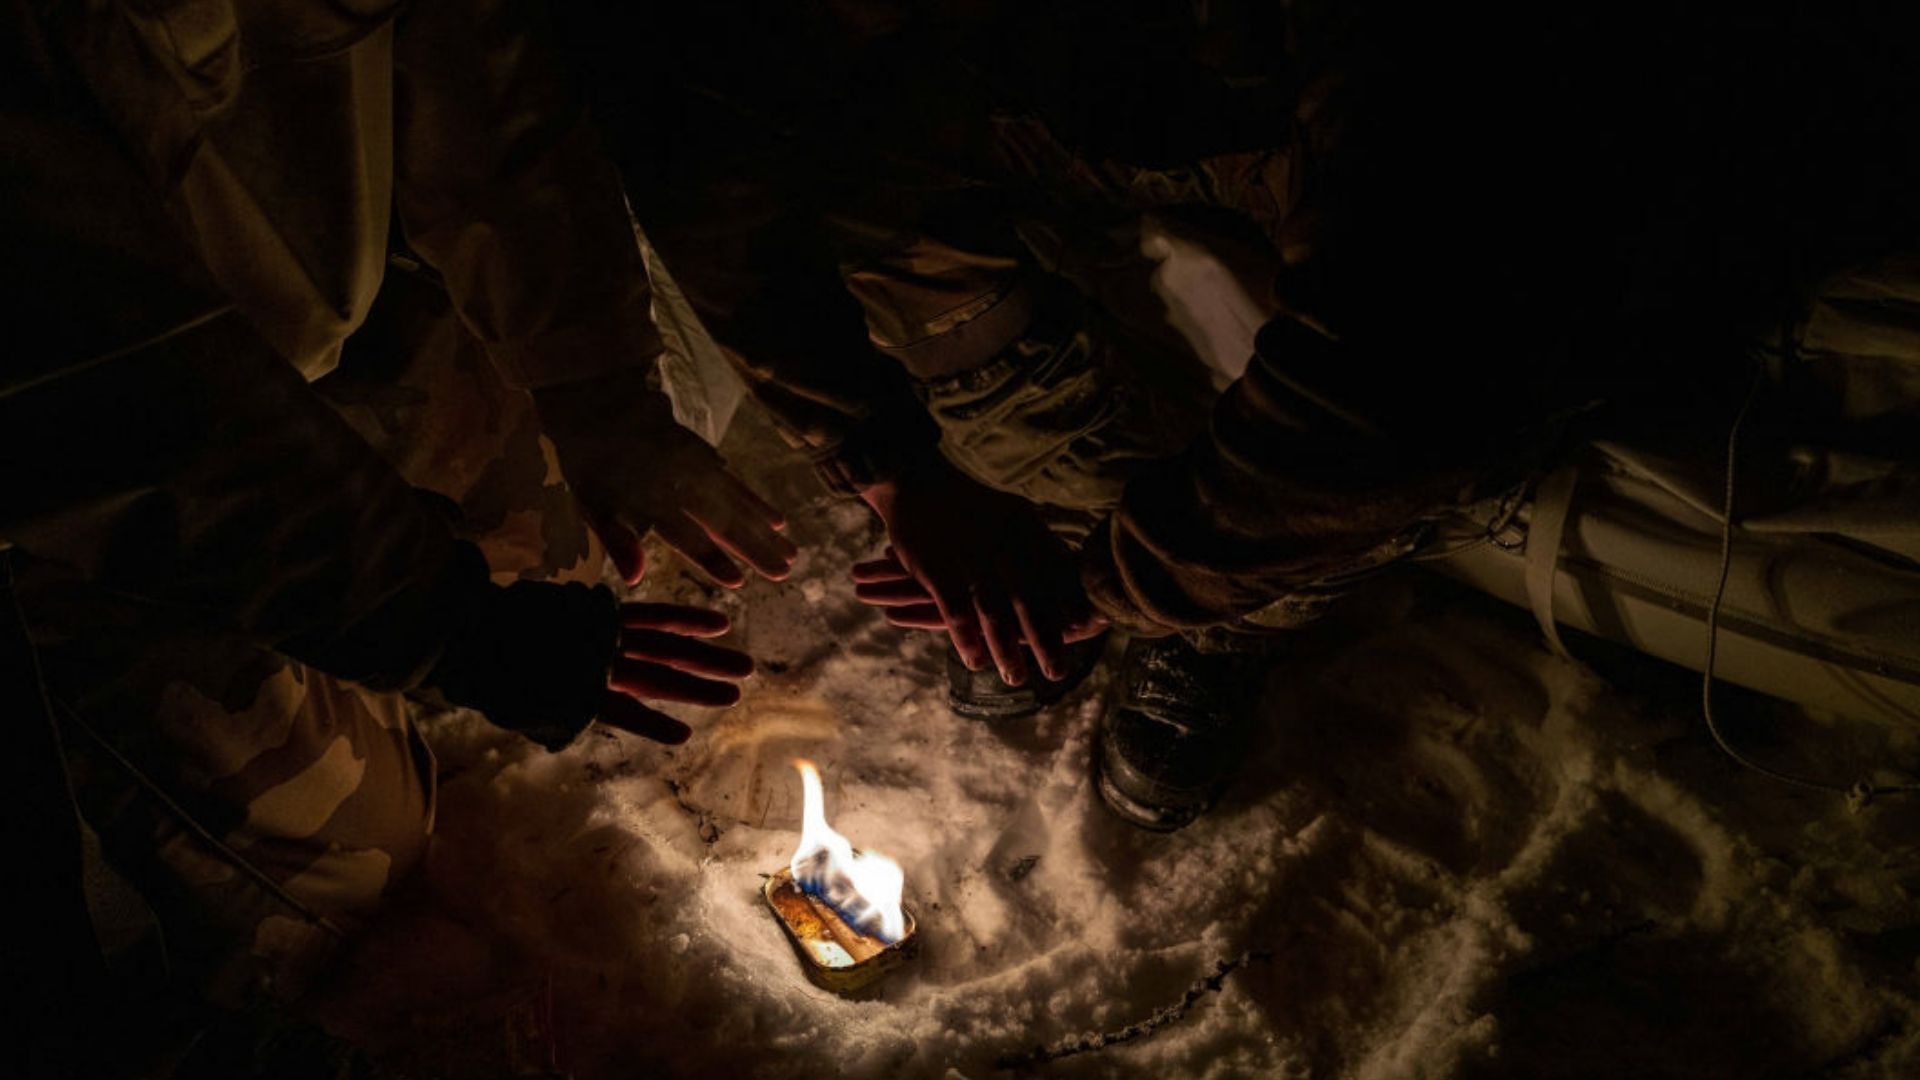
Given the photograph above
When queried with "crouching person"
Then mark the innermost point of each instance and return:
(217, 592)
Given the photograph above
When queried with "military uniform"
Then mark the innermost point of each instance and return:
(880, 243)
(907, 258)
(227, 583)
(1475, 244)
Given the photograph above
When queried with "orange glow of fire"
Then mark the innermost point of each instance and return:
(863, 887)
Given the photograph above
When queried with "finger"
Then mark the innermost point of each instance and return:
(629, 561)
(893, 593)
(917, 617)
(658, 682)
(1001, 628)
(619, 710)
(928, 617)
(686, 654)
(1040, 626)
(674, 619)
(956, 610)
(685, 536)
(1086, 628)
(887, 569)
(754, 543)
(623, 547)
(762, 509)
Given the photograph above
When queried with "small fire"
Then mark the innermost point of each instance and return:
(864, 888)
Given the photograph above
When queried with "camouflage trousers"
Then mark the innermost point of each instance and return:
(1122, 374)
(1097, 385)
(262, 808)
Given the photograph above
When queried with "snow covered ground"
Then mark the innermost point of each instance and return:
(1458, 855)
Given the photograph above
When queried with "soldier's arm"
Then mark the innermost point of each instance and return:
(153, 444)
(1295, 484)
(152, 441)
(976, 327)
(503, 186)
(800, 343)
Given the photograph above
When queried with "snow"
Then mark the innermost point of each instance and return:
(1465, 856)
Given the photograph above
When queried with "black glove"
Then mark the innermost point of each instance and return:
(533, 657)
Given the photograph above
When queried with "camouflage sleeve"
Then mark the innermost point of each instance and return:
(199, 471)
(503, 185)
(1296, 484)
(151, 440)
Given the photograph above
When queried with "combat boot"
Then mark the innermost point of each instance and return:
(1175, 731)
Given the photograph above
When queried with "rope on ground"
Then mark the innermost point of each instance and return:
(1859, 793)
(1162, 1017)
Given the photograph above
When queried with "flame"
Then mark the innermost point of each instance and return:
(864, 888)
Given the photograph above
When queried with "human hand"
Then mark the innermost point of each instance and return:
(632, 468)
(979, 564)
(661, 659)
(545, 660)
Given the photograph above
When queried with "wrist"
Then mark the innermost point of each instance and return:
(533, 658)
(880, 449)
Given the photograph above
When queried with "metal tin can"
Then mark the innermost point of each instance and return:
(835, 956)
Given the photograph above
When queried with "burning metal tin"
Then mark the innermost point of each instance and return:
(834, 955)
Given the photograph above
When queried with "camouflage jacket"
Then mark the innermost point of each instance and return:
(196, 203)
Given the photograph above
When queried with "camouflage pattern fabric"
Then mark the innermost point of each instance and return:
(201, 204)
(1062, 417)
(325, 786)
(417, 386)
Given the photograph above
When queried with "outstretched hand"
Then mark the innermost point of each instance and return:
(546, 659)
(979, 564)
(632, 468)
(662, 659)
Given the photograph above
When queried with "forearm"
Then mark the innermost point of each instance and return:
(201, 473)
(503, 186)
(153, 441)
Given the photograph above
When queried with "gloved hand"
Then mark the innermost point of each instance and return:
(546, 660)
(632, 468)
(979, 564)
